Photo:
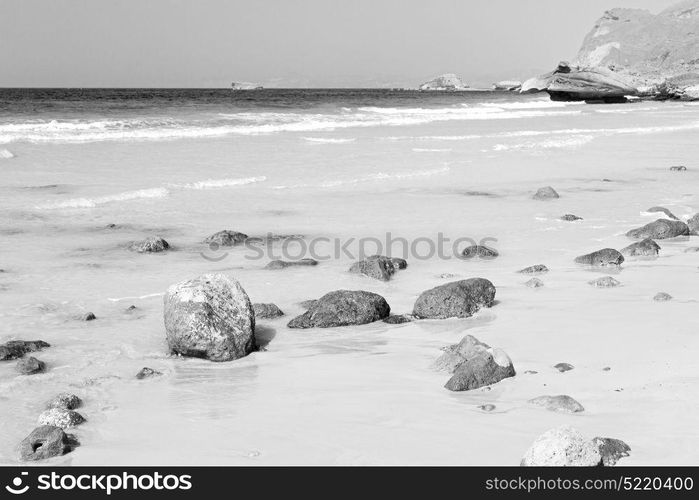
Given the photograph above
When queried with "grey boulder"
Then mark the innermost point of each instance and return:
(535, 269)
(570, 218)
(376, 266)
(283, 264)
(146, 372)
(562, 403)
(644, 248)
(267, 311)
(152, 244)
(611, 450)
(546, 193)
(30, 366)
(15, 349)
(60, 417)
(458, 299)
(226, 238)
(604, 282)
(65, 401)
(662, 297)
(604, 257)
(485, 368)
(562, 446)
(693, 224)
(45, 442)
(343, 308)
(209, 317)
(660, 229)
(480, 251)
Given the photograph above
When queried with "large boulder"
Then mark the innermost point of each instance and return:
(659, 230)
(458, 299)
(455, 354)
(45, 442)
(376, 266)
(604, 257)
(226, 238)
(209, 317)
(562, 446)
(482, 368)
(15, 349)
(343, 308)
(644, 248)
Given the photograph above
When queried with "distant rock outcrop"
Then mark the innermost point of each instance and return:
(245, 86)
(448, 81)
(508, 85)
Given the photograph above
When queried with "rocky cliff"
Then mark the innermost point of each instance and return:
(444, 82)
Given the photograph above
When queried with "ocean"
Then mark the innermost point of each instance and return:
(85, 172)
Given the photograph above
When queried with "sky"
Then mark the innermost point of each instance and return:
(288, 43)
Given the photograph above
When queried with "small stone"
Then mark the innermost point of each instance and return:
(147, 373)
(397, 319)
(570, 218)
(65, 401)
(226, 238)
(30, 366)
(563, 367)
(45, 442)
(488, 407)
(678, 168)
(644, 248)
(606, 368)
(604, 282)
(376, 266)
(534, 283)
(283, 264)
(60, 417)
(558, 403)
(131, 308)
(535, 269)
(267, 311)
(531, 372)
(546, 193)
(480, 251)
(88, 317)
(662, 297)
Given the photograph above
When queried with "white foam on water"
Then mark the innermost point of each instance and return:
(324, 140)
(432, 150)
(139, 297)
(567, 142)
(379, 176)
(93, 202)
(219, 183)
(6, 154)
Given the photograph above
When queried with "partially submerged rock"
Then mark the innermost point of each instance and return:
(267, 311)
(562, 446)
(283, 264)
(485, 368)
(458, 299)
(546, 193)
(534, 283)
(693, 224)
(455, 354)
(662, 210)
(611, 450)
(662, 297)
(146, 372)
(562, 403)
(61, 417)
(209, 317)
(45, 442)
(563, 367)
(88, 316)
(644, 248)
(152, 244)
(660, 229)
(65, 401)
(30, 366)
(604, 282)
(397, 319)
(603, 257)
(678, 168)
(376, 266)
(570, 218)
(15, 349)
(535, 269)
(226, 238)
(343, 308)
(480, 251)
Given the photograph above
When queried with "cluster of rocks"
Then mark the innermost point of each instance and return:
(50, 439)
(17, 350)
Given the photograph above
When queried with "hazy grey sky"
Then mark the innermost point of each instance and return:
(209, 43)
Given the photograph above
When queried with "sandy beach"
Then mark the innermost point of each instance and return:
(77, 190)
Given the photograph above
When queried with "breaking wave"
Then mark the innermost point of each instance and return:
(379, 176)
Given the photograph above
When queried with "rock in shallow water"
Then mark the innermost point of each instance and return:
(397, 319)
(660, 229)
(570, 218)
(534, 283)
(226, 238)
(376, 266)
(209, 317)
(485, 367)
(152, 244)
(45, 442)
(563, 367)
(643, 248)
(267, 311)
(535, 269)
(546, 193)
(693, 224)
(604, 257)
(458, 299)
(60, 417)
(562, 446)
(561, 403)
(146, 372)
(455, 354)
(15, 349)
(65, 401)
(604, 282)
(343, 308)
(283, 264)
(480, 251)
(662, 297)
(611, 450)
(30, 366)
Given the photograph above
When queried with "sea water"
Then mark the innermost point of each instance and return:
(86, 172)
